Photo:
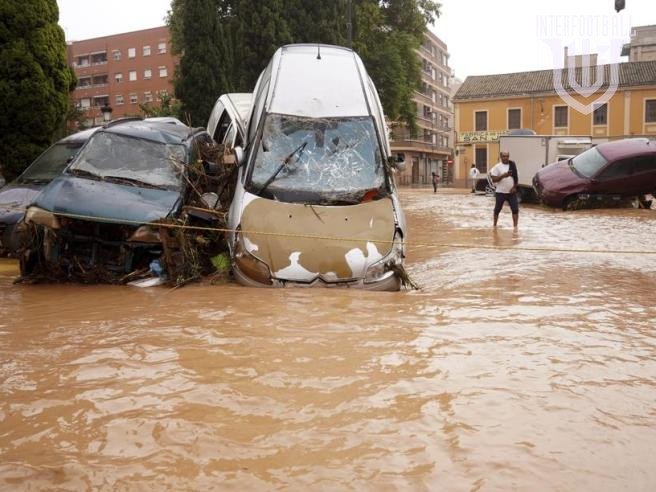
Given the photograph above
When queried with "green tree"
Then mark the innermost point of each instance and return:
(196, 80)
(386, 34)
(35, 80)
(166, 106)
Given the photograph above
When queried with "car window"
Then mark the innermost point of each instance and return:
(589, 163)
(618, 169)
(51, 163)
(644, 164)
(222, 128)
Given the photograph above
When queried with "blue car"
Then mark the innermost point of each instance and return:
(17, 195)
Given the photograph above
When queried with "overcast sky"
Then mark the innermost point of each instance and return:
(483, 36)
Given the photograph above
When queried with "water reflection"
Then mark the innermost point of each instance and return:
(509, 369)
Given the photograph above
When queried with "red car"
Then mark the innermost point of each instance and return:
(620, 169)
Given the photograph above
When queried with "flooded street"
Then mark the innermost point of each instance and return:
(507, 370)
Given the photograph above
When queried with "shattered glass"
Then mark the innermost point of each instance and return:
(50, 164)
(108, 155)
(324, 158)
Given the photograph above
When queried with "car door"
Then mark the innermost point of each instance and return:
(644, 174)
(617, 178)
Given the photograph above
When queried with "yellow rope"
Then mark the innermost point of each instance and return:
(347, 239)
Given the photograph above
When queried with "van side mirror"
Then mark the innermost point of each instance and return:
(239, 155)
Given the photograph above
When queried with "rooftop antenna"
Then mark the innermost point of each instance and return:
(318, 51)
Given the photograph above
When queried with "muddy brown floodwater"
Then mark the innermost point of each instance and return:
(508, 370)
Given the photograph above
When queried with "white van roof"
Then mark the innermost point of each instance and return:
(319, 81)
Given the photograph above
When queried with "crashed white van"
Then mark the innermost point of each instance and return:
(316, 203)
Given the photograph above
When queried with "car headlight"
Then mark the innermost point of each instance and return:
(249, 265)
(385, 267)
(39, 216)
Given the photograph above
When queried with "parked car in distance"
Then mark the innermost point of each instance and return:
(17, 195)
(316, 203)
(623, 169)
(94, 214)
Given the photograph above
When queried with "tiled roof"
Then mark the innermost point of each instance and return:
(631, 74)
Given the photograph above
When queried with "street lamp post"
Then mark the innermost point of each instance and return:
(106, 112)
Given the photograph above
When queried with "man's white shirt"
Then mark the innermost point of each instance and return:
(473, 173)
(507, 183)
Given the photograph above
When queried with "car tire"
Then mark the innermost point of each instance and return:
(568, 202)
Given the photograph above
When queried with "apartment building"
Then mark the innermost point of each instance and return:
(430, 148)
(121, 71)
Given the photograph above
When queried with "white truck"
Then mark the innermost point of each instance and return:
(533, 152)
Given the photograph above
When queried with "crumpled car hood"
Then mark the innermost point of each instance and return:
(304, 259)
(108, 202)
(558, 177)
(14, 199)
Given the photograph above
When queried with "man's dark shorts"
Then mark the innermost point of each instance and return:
(511, 198)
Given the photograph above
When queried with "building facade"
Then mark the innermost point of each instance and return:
(121, 71)
(487, 107)
(643, 44)
(429, 149)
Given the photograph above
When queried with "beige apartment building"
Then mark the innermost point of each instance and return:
(121, 71)
(430, 149)
(643, 44)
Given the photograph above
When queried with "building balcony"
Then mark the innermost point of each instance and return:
(419, 146)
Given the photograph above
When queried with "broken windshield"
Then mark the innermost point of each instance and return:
(340, 160)
(113, 156)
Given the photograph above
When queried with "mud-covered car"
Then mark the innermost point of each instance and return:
(620, 169)
(316, 202)
(17, 195)
(99, 215)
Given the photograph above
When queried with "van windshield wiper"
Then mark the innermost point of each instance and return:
(133, 182)
(84, 173)
(298, 150)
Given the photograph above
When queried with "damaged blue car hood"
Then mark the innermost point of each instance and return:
(107, 202)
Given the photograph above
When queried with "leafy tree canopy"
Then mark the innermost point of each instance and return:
(240, 36)
(35, 81)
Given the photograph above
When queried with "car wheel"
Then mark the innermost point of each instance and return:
(570, 202)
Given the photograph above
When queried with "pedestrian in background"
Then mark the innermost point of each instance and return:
(436, 180)
(505, 176)
(473, 174)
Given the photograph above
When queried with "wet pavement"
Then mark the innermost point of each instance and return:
(508, 370)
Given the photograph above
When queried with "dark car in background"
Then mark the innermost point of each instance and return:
(17, 195)
(93, 215)
(619, 169)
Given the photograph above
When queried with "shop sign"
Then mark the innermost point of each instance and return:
(481, 136)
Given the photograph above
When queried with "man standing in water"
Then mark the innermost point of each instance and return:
(505, 176)
(436, 180)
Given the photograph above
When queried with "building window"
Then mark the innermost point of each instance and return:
(560, 117)
(82, 61)
(148, 96)
(161, 48)
(162, 72)
(100, 101)
(118, 77)
(146, 50)
(514, 119)
(116, 54)
(650, 111)
(119, 99)
(133, 99)
(445, 60)
(147, 73)
(481, 121)
(84, 82)
(98, 58)
(133, 75)
(85, 103)
(132, 52)
(163, 93)
(100, 79)
(600, 114)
